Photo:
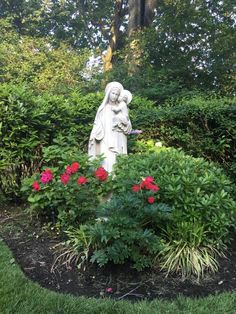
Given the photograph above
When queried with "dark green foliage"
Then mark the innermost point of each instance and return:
(120, 241)
(31, 122)
(128, 230)
(61, 20)
(195, 189)
(184, 230)
(202, 127)
(150, 201)
(190, 46)
(22, 136)
(125, 230)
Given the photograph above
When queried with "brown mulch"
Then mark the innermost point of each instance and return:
(34, 250)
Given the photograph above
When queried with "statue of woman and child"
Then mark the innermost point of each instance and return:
(111, 125)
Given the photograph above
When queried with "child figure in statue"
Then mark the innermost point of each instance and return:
(121, 119)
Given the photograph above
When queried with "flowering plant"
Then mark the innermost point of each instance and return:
(129, 225)
(68, 193)
(147, 184)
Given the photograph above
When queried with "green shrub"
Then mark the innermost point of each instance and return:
(195, 189)
(127, 227)
(190, 212)
(124, 231)
(22, 131)
(31, 122)
(201, 126)
(62, 194)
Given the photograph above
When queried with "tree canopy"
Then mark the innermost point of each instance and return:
(158, 47)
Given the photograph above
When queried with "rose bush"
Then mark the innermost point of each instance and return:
(70, 197)
(68, 191)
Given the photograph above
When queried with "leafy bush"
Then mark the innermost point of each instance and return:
(202, 127)
(37, 62)
(125, 230)
(69, 191)
(69, 188)
(22, 134)
(127, 227)
(128, 217)
(30, 122)
(195, 189)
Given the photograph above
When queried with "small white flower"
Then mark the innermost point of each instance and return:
(158, 144)
(101, 219)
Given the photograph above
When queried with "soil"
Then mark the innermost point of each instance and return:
(34, 248)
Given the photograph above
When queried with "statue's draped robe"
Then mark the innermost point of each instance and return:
(105, 138)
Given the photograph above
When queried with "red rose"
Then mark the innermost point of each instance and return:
(81, 180)
(74, 167)
(149, 179)
(146, 185)
(155, 188)
(46, 176)
(101, 174)
(68, 170)
(36, 186)
(136, 188)
(65, 178)
(151, 199)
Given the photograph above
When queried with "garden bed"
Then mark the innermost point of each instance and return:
(34, 249)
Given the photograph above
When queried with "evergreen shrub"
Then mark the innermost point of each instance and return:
(195, 189)
(30, 122)
(201, 126)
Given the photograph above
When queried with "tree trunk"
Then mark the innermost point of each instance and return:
(141, 14)
(107, 58)
(149, 12)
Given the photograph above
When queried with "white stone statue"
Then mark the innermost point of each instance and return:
(111, 125)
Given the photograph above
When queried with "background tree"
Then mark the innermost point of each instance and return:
(190, 45)
(33, 61)
(159, 48)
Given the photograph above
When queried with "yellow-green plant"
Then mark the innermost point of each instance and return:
(186, 252)
(75, 250)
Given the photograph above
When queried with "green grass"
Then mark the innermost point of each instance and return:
(18, 295)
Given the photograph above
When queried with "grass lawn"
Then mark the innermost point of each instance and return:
(18, 295)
